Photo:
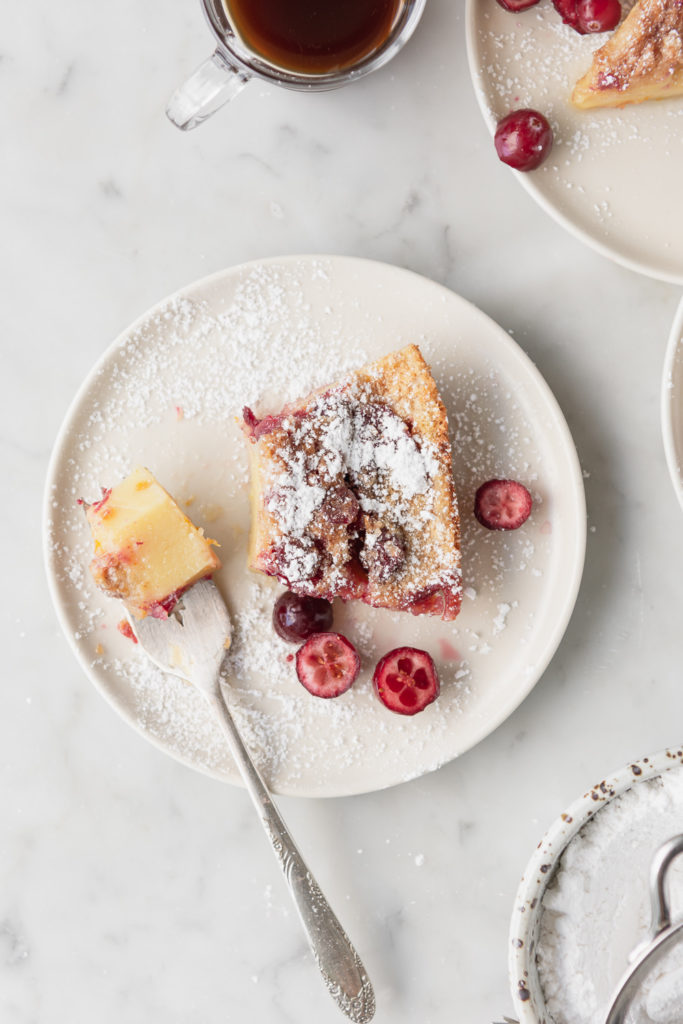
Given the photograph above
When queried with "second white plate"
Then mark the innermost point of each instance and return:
(168, 394)
(613, 177)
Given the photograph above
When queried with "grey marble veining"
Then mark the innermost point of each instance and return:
(132, 889)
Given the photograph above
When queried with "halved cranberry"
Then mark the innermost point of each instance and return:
(502, 504)
(296, 617)
(517, 5)
(567, 9)
(406, 680)
(327, 664)
(598, 15)
(523, 139)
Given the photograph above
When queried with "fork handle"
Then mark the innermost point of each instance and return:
(337, 960)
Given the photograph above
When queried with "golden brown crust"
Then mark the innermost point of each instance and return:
(379, 439)
(643, 60)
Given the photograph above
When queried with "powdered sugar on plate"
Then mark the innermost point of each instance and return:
(263, 335)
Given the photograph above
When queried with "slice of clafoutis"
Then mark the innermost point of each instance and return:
(147, 551)
(643, 60)
(352, 491)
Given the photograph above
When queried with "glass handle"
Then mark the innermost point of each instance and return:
(214, 83)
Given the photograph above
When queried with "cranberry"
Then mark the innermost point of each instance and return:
(598, 15)
(341, 506)
(567, 9)
(406, 681)
(502, 504)
(523, 139)
(385, 555)
(295, 617)
(294, 560)
(327, 664)
(517, 5)
(255, 427)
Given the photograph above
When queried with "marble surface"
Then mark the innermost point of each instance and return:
(133, 889)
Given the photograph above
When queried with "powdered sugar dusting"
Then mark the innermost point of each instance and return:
(344, 481)
(267, 335)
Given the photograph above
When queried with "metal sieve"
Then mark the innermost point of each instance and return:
(662, 936)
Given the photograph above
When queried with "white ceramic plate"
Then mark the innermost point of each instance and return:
(672, 404)
(168, 394)
(613, 177)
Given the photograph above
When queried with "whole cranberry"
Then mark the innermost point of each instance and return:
(341, 506)
(296, 617)
(385, 556)
(598, 15)
(523, 139)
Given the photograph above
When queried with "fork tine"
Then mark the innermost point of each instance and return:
(192, 642)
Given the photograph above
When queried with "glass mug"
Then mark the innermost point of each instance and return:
(241, 56)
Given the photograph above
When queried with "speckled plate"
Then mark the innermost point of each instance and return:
(672, 404)
(613, 177)
(168, 394)
(527, 993)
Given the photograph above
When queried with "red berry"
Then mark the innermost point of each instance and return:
(517, 5)
(295, 617)
(406, 681)
(567, 9)
(502, 504)
(598, 15)
(341, 506)
(327, 664)
(523, 139)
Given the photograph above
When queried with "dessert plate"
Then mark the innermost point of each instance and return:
(168, 394)
(672, 404)
(613, 176)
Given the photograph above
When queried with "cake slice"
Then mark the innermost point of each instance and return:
(147, 551)
(352, 491)
(643, 60)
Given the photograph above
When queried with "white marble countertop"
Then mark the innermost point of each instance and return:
(133, 889)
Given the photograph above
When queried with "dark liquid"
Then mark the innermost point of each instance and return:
(313, 36)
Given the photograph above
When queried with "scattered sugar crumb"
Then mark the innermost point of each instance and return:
(500, 621)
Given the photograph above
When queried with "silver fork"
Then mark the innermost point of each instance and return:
(507, 1020)
(191, 644)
